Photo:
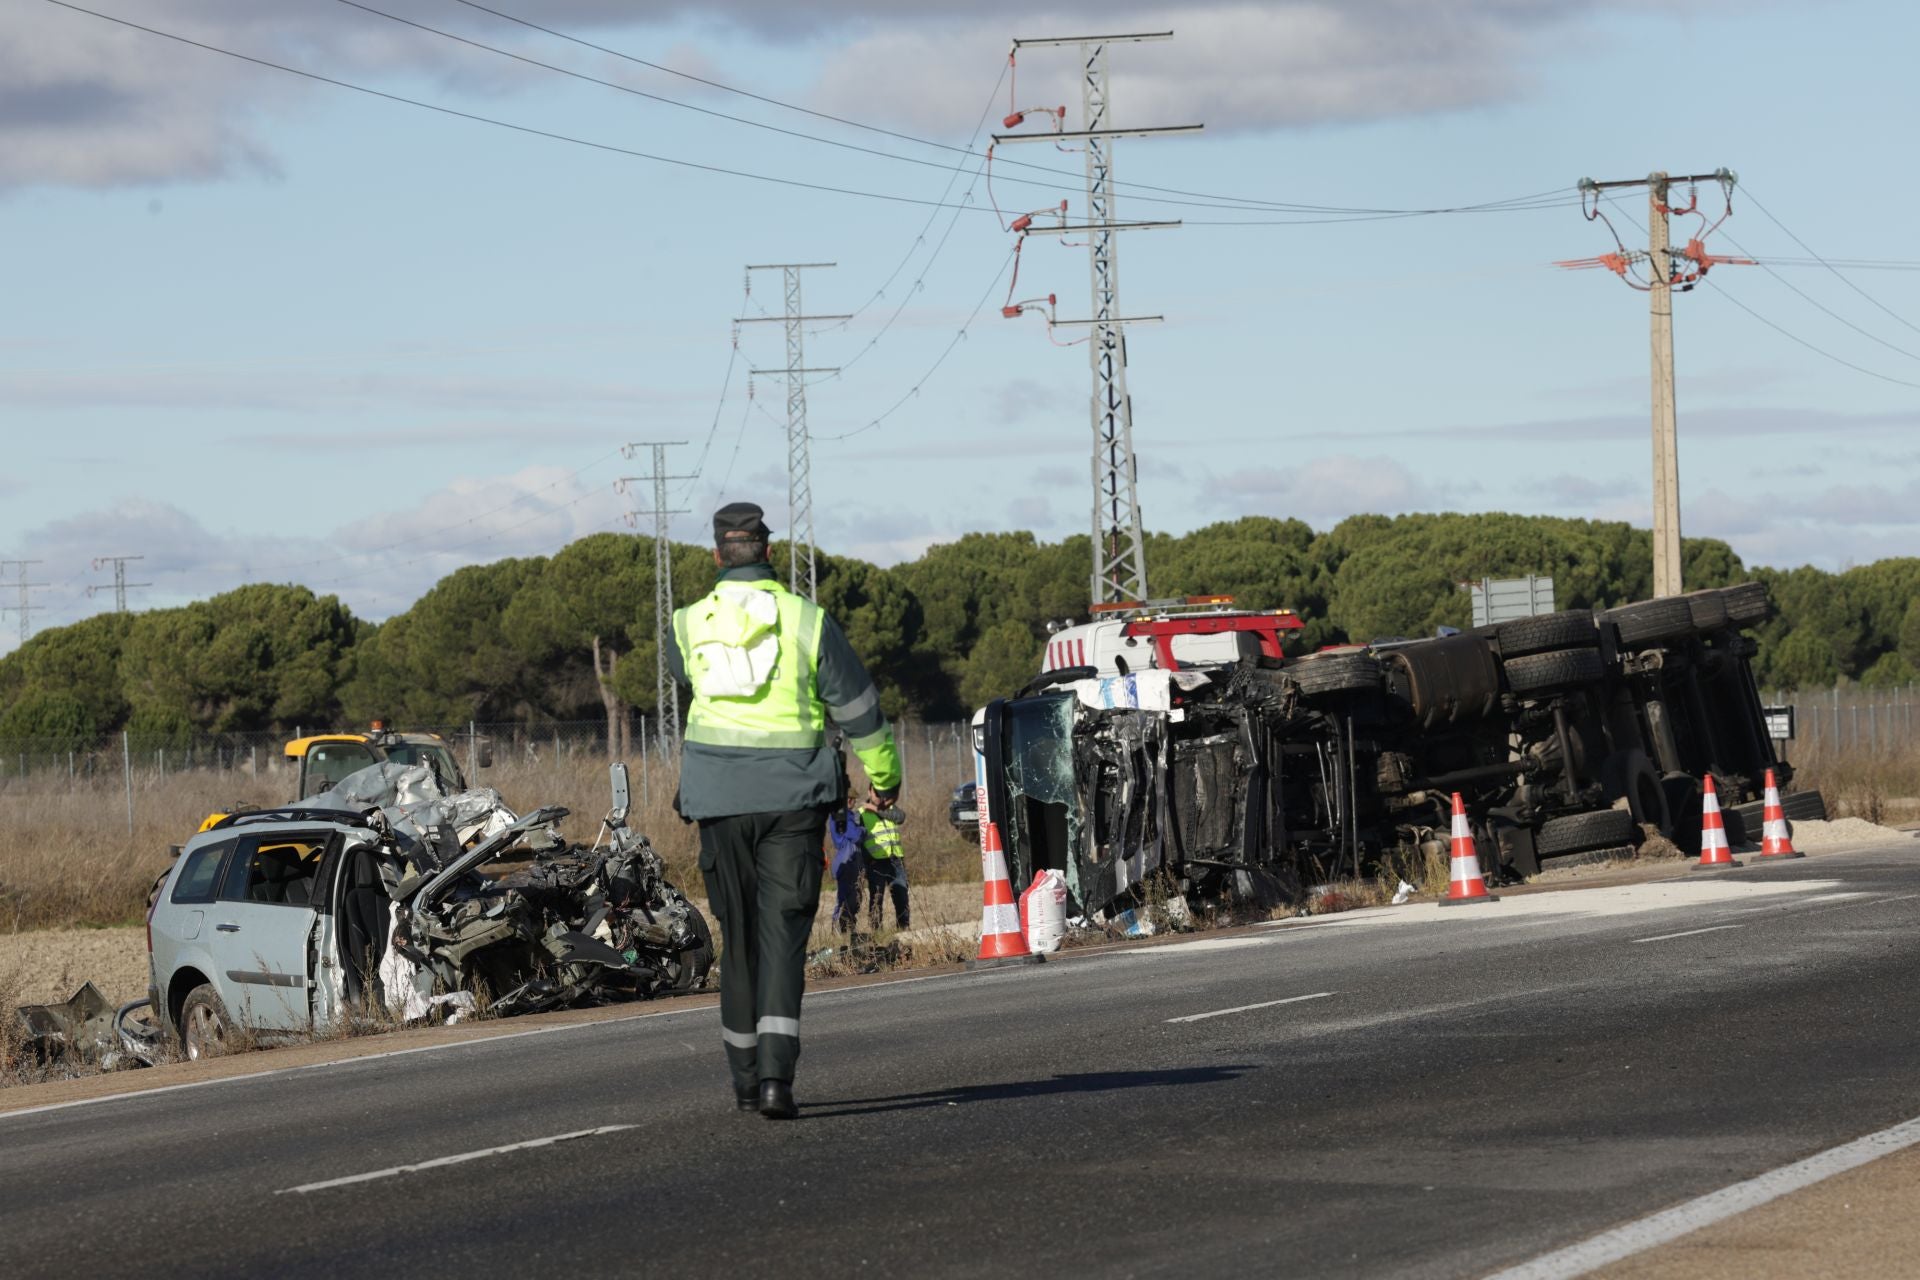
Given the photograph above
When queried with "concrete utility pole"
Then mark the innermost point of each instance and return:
(120, 583)
(26, 608)
(666, 692)
(1666, 435)
(799, 457)
(1119, 545)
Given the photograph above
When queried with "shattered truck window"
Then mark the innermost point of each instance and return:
(1043, 827)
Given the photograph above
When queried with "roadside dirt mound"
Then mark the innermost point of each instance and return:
(1837, 833)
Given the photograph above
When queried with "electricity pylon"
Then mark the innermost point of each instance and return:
(666, 691)
(120, 583)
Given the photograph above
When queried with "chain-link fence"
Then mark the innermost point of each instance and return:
(936, 756)
(1850, 718)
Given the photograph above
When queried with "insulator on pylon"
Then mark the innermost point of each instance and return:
(1011, 313)
(1015, 120)
(1022, 222)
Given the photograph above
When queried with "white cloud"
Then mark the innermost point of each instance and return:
(1326, 489)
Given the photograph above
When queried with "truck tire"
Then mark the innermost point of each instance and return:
(1326, 673)
(1577, 833)
(1804, 806)
(1561, 669)
(1570, 629)
(1709, 610)
(1647, 623)
(1747, 604)
(205, 1027)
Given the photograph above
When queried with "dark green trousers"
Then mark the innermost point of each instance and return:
(763, 882)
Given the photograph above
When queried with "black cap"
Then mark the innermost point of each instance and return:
(739, 520)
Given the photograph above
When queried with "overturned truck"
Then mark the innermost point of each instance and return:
(1180, 744)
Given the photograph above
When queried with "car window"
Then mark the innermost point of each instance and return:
(279, 869)
(196, 879)
(329, 762)
(436, 758)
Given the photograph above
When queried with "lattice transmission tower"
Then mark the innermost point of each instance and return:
(799, 457)
(1119, 545)
(120, 584)
(666, 691)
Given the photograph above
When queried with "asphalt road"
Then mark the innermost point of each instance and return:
(1465, 1089)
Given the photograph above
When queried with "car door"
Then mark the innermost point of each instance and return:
(263, 919)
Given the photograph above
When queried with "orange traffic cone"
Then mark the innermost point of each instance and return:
(1002, 941)
(1714, 853)
(1467, 884)
(1774, 840)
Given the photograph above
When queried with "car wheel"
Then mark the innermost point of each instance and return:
(1651, 621)
(698, 958)
(205, 1029)
(1569, 629)
(1562, 669)
(1579, 832)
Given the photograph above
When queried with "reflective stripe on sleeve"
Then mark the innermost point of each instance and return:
(857, 708)
(866, 742)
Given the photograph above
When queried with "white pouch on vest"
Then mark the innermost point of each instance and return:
(721, 670)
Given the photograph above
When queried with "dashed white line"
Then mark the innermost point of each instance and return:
(443, 1161)
(1243, 1008)
(1688, 933)
(1684, 1219)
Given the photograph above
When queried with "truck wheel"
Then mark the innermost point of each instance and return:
(1577, 833)
(1804, 806)
(1650, 621)
(1708, 609)
(1323, 673)
(1562, 669)
(1569, 629)
(1747, 604)
(204, 1025)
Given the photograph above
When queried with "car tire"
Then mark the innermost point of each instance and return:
(1579, 832)
(1747, 604)
(1708, 610)
(1569, 629)
(1651, 621)
(1804, 806)
(205, 1029)
(698, 958)
(1328, 673)
(1549, 672)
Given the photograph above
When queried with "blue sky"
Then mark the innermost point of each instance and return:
(260, 328)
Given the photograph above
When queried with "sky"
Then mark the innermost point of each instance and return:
(256, 326)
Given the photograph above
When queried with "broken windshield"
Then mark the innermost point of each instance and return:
(1044, 820)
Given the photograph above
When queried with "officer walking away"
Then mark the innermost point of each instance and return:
(886, 863)
(767, 669)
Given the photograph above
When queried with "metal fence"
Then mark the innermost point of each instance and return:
(935, 755)
(1852, 717)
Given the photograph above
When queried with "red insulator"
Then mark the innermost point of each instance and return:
(1015, 120)
(1022, 222)
(1011, 313)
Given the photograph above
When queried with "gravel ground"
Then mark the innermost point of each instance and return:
(1810, 837)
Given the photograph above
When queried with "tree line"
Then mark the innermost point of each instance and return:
(571, 636)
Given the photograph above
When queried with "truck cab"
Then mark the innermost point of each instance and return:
(1167, 635)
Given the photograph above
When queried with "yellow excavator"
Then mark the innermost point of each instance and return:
(322, 759)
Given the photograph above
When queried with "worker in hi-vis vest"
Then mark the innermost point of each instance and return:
(885, 866)
(768, 670)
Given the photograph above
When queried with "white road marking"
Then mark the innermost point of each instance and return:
(1242, 1008)
(443, 1161)
(1684, 1219)
(1688, 933)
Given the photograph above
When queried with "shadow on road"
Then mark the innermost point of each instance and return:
(1088, 1082)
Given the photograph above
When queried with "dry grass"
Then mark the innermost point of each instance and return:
(68, 860)
(1881, 787)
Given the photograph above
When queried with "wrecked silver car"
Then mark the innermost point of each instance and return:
(385, 899)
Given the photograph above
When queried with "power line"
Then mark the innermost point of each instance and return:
(1823, 262)
(958, 337)
(493, 120)
(1065, 174)
(1819, 305)
(1721, 291)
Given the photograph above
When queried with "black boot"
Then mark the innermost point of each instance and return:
(746, 1099)
(776, 1100)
